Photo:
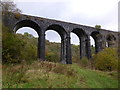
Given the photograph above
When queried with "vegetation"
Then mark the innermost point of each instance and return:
(106, 60)
(9, 6)
(18, 47)
(20, 61)
(55, 75)
(75, 53)
(17, 15)
(22, 70)
(98, 27)
(52, 54)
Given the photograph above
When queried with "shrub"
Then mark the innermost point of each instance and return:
(12, 46)
(17, 15)
(51, 57)
(75, 53)
(84, 62)
(18, 47)
(106, 60)
(52, 52)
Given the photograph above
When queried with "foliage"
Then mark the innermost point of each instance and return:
(9, 6)
(17, 47)
(84, 62)
(98, 27)
(52, 51)
(106, 60)
(75, 53)
(12, 47)
(50, 56)
(17, 15)
(24, 47)
(55, 75)
(92, 50)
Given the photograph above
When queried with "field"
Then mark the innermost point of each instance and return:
(56, 75)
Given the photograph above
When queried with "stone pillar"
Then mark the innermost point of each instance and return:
(63, 50)
(88, 48)
(98, 45)
(68, 50)
(82, 47)
(41, 46)
(104, 44)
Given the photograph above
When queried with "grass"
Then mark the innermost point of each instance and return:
(55, 75)
(0, 75)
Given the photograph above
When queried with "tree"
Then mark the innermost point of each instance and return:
(28, 35)
(12, 46)
(9, 6)
(98, 27)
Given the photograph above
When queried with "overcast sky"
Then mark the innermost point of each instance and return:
(86, 12)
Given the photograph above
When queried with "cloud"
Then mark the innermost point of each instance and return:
(52, 36)
(44, 9)
(27, 29)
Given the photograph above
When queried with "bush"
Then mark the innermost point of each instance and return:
(52, 52)
(17, 47)
(84, 62)
(51, 57)
(106, 60)
(12, 46)
(75, 53)
(17, 15)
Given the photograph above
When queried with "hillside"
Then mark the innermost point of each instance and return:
(20, 68)
(55, 75)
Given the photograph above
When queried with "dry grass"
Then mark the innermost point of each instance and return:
(53, 75)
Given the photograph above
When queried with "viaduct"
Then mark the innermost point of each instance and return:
(103, 38)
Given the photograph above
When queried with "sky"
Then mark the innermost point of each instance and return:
(85, 12)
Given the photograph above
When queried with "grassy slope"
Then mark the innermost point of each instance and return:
(54, 75)
(0, 75)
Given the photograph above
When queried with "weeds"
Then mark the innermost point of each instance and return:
(53, 75)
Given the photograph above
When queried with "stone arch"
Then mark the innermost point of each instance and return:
(27, 23)
(96, 35)
(63, 34)
(36, 27)
(82, 38)
(110, 40)
(79, 32)
(59, 29)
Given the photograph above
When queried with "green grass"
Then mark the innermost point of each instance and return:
(0, 75)
(55, 75)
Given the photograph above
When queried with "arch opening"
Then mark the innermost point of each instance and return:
(75, 47)
(97, 40)
(110, 40)
(59, 29)
(82, 41)
(30, 37)
(31, 31)
(56, 35)
(27, 23)
(92, 45)
(52, 46)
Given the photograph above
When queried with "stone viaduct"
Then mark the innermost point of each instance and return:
(103, 38)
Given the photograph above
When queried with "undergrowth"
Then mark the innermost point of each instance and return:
(55, 75)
